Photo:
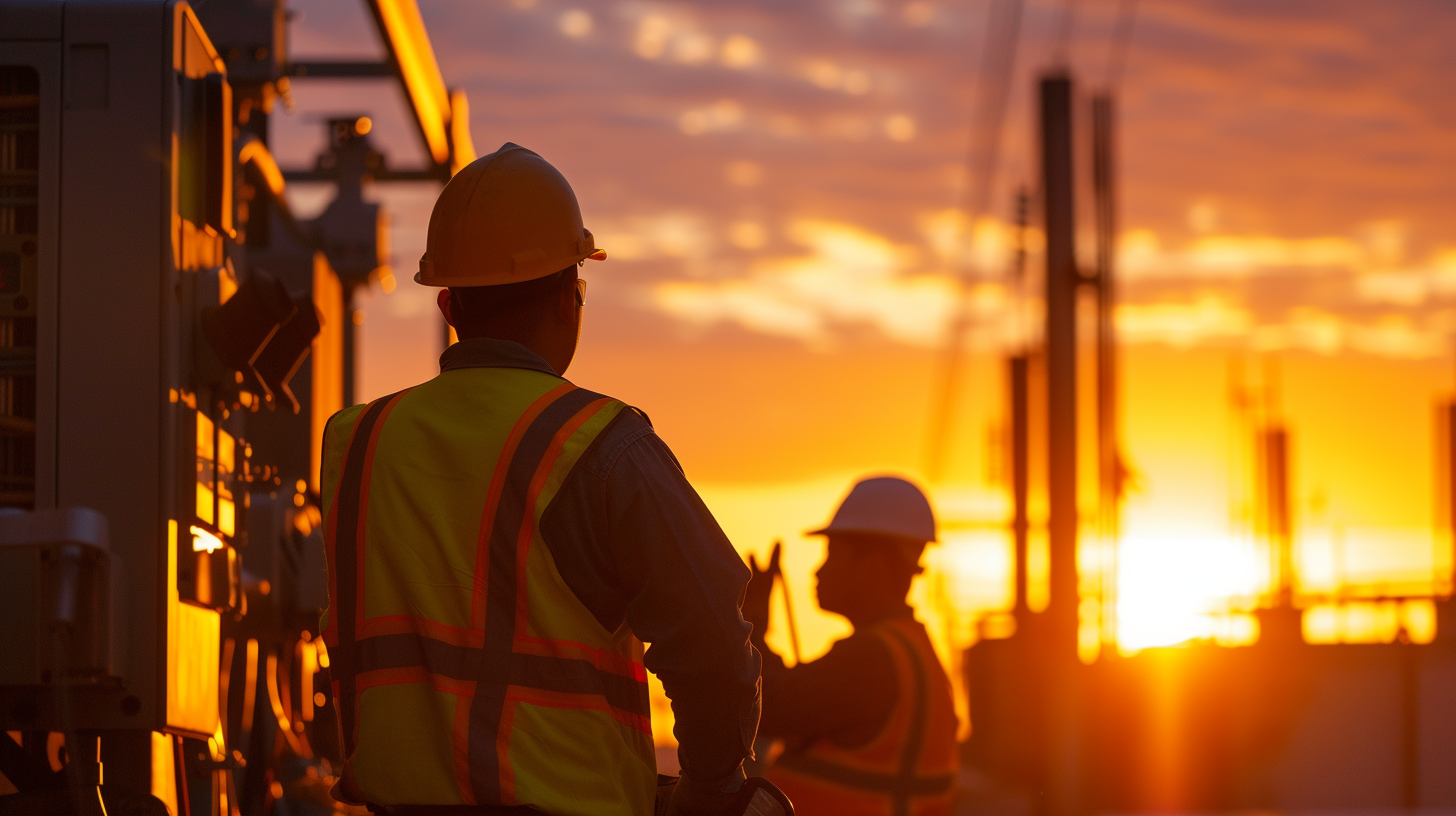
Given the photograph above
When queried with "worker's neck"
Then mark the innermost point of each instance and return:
(544, 341)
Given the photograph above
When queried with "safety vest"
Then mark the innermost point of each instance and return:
(908, 769)
(464, 669)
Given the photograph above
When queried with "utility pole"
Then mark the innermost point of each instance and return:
(1019, 387)
(1109, 459)
(1062, 668)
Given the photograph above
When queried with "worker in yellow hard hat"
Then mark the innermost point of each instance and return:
(869, 728)
(501, 543)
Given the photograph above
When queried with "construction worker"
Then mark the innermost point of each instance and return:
(501, 543)
(869, 728)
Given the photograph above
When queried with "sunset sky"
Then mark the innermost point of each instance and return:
(777, 185)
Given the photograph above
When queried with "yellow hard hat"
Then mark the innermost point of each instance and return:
(504, 218)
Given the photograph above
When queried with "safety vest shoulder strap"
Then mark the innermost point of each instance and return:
(342, 532)
(908, 724)
(897, 641)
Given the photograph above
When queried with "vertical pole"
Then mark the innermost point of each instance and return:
(1020, 477)
(1278, 529)
(1019, 387)
(1447, 435)
(1410, 725)
(1062, 666)
(1109, 468)
(351, 337)
(1061, 350)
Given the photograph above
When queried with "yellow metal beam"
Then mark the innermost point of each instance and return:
(462, 146)
(404, 32)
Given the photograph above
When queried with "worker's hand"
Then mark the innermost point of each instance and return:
(760, 587)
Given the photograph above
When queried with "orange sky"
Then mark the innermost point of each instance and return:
(776, 183)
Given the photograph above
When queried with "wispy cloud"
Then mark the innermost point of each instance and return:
(1326, 294)
(847, 276)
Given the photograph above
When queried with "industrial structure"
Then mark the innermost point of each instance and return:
(1062, 723)
(172, 340)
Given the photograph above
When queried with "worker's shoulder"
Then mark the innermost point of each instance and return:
(630, 427)
(344, 418)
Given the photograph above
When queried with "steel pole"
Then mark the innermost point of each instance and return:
(1061, 749)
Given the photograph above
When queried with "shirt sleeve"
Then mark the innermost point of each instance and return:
(652, 555)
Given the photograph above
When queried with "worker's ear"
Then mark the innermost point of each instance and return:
(443, 301)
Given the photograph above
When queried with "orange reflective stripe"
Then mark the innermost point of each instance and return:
(389, 677)
(413, 674)
(415, 625)
(533, 496)
(492, 499)
(331, 524)
(603, 659)
(581, 702)
(348, 514)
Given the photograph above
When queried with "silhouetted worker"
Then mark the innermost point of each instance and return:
(869, 728)
(499, 540)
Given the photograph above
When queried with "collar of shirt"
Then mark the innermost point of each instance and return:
(490, 352)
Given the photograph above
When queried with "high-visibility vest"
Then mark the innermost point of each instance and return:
(464, 669)
(908, 769)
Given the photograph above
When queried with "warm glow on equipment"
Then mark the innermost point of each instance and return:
(1386, 621)
(204, 437)
(204, 541)
(257, 153)
(205, 504)
(226, 448)
(462, 145)
(327, 357)
(227, 517)
(410, 43)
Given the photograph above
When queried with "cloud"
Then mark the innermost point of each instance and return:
(677, 234)
(848, 276)
(1212, 320)
(1208, 319)
(1335, 296)
(1238, 255)
(1288, 176)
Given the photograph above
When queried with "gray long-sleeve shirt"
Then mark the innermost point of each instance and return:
(636, 544)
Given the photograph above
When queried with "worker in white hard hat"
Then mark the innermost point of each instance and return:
(501, 543)
(869, 728)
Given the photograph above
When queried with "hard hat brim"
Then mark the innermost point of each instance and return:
(495, 278)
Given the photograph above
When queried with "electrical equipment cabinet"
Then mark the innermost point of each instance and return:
(130, 351)
(148, 424)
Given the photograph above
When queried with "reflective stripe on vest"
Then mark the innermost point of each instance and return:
(909, 768)
(519, 646)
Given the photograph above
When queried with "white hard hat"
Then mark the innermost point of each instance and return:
(887, 505)
(504, 218)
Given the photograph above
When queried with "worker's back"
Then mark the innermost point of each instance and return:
(476, 676)
(908, 767)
